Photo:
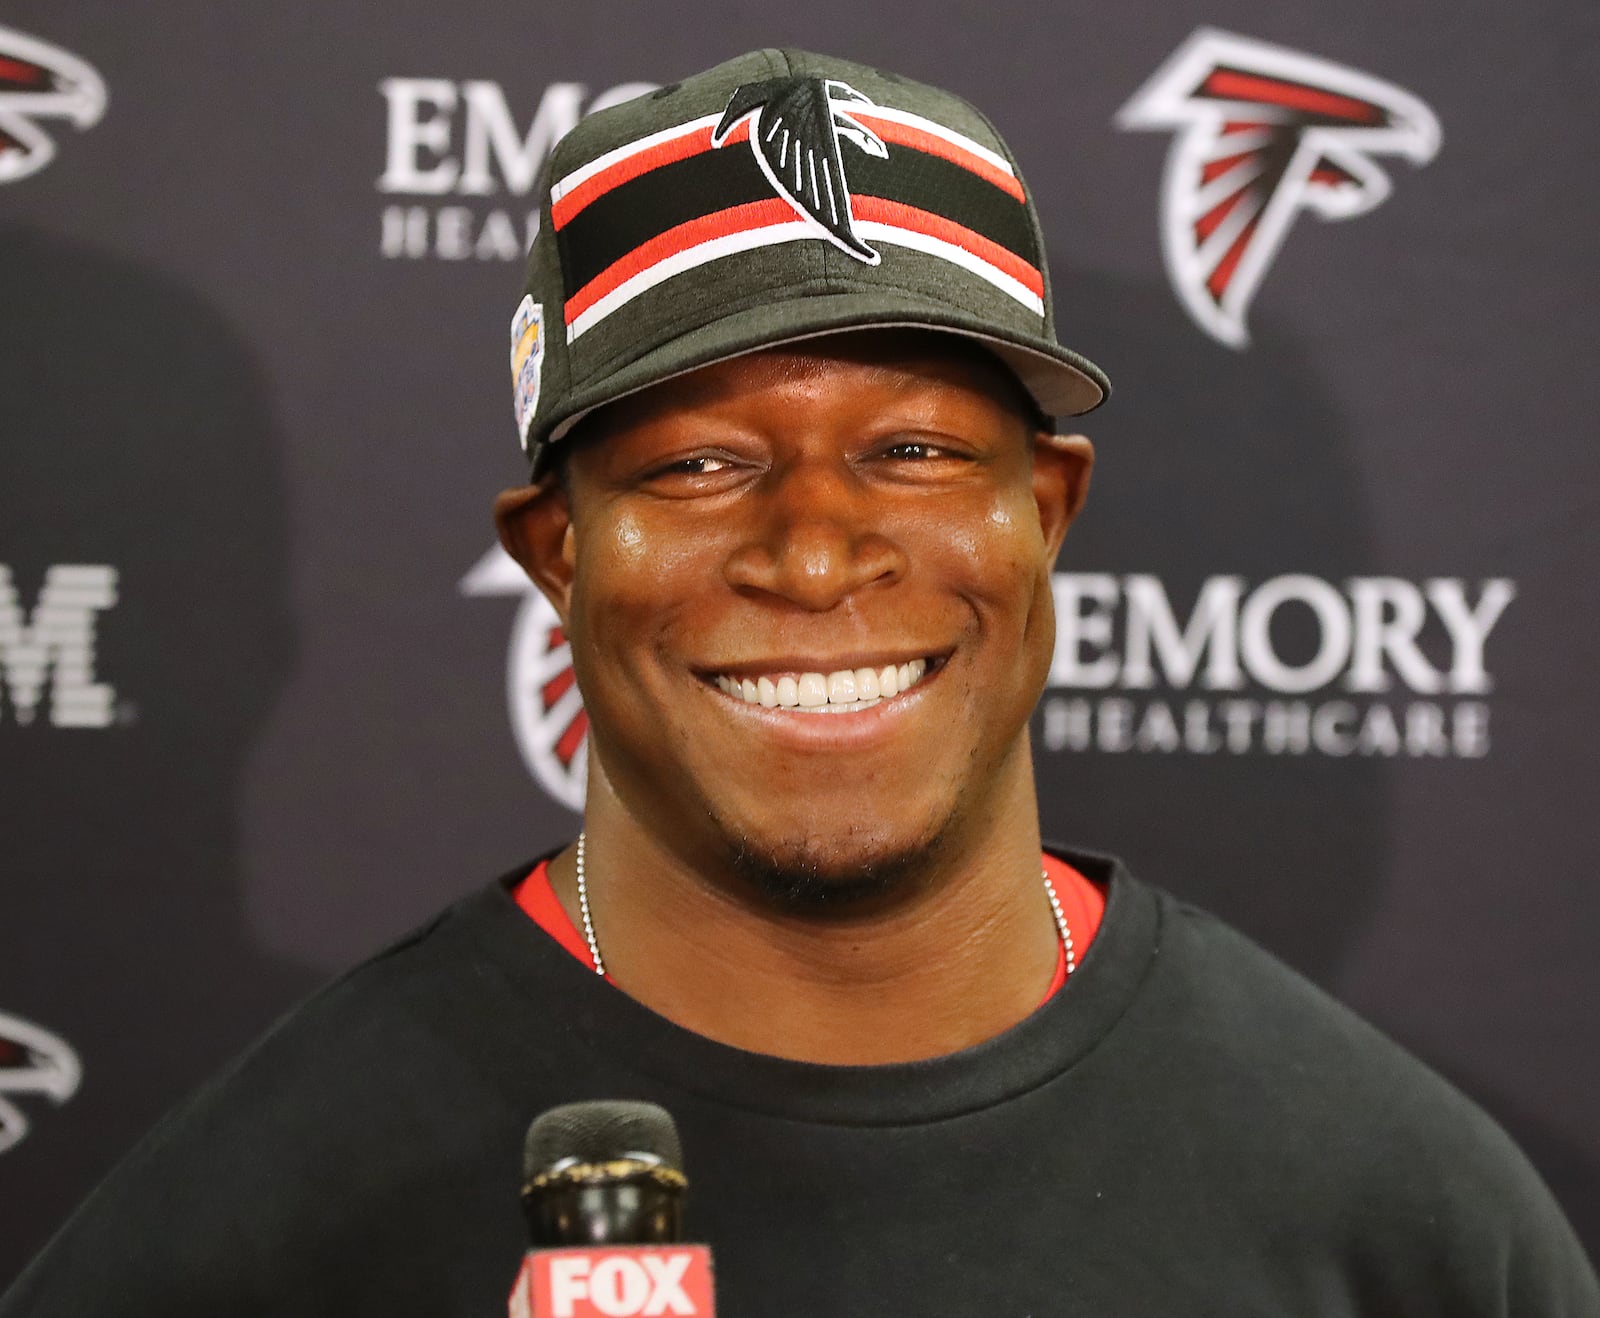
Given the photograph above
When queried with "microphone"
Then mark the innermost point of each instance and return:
(603, 1191)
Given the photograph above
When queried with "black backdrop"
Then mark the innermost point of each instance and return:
(255, 715)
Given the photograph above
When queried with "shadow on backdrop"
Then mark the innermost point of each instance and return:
(137, 434)
(1217, 462)
(1213, 461)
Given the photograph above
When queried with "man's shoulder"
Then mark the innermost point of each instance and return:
(398, 991)
(1234, 1095)
(1249, 1002)
(1234, 1009)
(1304, 1092)
(1212, 1001)
(387, 1107)
(429, 1005)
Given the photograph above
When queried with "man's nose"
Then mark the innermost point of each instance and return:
(816, 537)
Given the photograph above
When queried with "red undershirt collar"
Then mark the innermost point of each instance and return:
(1082, 902)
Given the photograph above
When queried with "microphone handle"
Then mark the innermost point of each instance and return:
(619, 1210)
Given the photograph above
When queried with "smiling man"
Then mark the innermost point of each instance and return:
(787, 373)
(808, 591)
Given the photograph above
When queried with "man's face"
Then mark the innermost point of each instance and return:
(781, 526)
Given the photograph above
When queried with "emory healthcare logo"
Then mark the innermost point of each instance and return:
(57, 641)
(32, 1061)
(40, 81)
(811, 114)
(1262, 133)
(1382, 666)
(460, 140)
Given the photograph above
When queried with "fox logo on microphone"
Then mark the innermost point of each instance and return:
(630, 1281)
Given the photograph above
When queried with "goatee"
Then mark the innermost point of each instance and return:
(818, 875)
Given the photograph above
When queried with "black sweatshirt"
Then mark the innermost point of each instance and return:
(1186, 1128)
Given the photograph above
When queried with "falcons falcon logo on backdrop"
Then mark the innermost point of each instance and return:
(1262, 133)
(40, 81)
(32, 1061)
(547, 713)
(795, 129)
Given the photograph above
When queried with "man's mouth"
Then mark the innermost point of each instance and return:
(843, 691)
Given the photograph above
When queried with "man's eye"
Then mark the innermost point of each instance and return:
(695, 474)
(705, 464)
(916, 450)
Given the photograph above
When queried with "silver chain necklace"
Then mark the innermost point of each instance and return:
(600, 966)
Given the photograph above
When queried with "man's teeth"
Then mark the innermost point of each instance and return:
(831, 693)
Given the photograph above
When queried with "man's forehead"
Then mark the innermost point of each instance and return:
(903, 360)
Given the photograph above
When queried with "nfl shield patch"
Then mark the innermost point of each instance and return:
(527, 356)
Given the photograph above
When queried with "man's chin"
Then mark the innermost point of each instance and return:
(848, 871)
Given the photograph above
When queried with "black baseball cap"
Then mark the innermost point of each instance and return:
(778, 197)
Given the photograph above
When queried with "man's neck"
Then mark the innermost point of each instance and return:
(960, 956)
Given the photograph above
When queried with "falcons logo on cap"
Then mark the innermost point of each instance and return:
(32, 1061)
(1262, 134)
(795, 128)
(40, 81)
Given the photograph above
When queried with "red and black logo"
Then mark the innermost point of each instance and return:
(548, 719)
(40, 81)
(32, 1062)
(1263, 133)
(795, 128)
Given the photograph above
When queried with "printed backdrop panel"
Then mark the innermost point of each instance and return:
(270, 696)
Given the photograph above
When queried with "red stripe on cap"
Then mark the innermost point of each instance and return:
(1249, 87)
(882, 211)
(901, 134)
(641, 162)
(719, 224)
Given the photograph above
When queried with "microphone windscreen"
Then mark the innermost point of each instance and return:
(600, 1132)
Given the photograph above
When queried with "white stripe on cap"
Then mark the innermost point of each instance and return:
(924, 242)
(711, 250)
(770, 235)
(933, 130)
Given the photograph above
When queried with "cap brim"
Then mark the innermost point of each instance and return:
(1062, 382)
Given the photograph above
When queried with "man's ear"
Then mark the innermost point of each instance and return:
(1061, 467)
(535, 525)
